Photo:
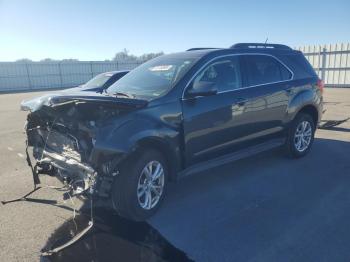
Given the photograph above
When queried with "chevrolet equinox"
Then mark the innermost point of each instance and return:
(174, 115)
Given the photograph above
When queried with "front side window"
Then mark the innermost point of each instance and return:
(153, 78)
(262, 69)
(224, 74)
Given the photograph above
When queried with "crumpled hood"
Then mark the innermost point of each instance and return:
(62, 98)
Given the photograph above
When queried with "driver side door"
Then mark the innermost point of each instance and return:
(210, 121)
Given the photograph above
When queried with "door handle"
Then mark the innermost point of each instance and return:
(241, 101)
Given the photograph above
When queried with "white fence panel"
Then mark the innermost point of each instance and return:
(15, 76)
(331, 62)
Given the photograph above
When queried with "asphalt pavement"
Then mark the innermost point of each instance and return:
(264, 208)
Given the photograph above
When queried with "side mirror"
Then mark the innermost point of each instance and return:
(202, 88)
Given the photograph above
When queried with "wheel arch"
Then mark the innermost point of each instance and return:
(171, 155)
(305, 101)
(310, 110)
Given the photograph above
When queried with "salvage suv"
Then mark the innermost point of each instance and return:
(172, 116)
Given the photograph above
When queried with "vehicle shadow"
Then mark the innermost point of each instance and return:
(112, 238)
(264, 208)
(337, 128)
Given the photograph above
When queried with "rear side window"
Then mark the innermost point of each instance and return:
(262, 69)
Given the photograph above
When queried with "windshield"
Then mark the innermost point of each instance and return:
(98, 81)
(153, 78)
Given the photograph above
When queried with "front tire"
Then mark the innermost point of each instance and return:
(300, 136)
(140, 187)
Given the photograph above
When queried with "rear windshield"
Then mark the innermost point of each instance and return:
(98, 81)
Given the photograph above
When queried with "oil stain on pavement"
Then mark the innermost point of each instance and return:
(112, 238)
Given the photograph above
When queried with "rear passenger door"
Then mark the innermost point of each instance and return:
(266, 84)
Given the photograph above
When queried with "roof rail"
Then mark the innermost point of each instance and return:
(260, 45)
(200, 48)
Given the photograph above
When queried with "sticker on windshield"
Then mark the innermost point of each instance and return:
(161, 68)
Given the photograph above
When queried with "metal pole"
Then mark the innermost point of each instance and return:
(28, 76)
(340, 64)
(92, 73)
(60, 74)
(319, 62)
(334, 64)
(346, 63)
(324, 58)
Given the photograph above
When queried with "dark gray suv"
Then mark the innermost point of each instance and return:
(172, 116)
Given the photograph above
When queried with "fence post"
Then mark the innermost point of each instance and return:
(60, 74)
(323, 69)
(28, 76)
(92, 73)
(340, 63)
(346, 64)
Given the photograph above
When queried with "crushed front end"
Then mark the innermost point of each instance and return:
(61, 139)
(61, 147)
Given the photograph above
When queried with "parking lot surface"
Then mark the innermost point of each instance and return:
(264, 208)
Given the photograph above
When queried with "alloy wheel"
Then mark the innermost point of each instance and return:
(303, 136)
(151, 184)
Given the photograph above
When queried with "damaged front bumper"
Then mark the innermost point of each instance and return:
(58, 154)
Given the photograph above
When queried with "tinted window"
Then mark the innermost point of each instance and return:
(225, 74)
(261, 69)
(300, 66)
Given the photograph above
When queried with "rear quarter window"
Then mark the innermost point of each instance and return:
(299, 65)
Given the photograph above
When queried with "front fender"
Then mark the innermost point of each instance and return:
(127, 138)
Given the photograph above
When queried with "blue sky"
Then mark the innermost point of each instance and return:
(96, 30)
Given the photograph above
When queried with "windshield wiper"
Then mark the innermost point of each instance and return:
(118, 94)
(122, 94)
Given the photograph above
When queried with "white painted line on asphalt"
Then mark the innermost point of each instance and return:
(20, 155)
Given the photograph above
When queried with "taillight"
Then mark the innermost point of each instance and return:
(320, 85)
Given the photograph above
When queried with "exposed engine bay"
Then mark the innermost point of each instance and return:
(61, 136)
(61, 144)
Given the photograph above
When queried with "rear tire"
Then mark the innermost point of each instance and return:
(300, 136)
(136, 193)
